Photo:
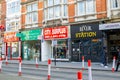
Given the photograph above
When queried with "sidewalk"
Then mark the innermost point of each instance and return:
(72, 65)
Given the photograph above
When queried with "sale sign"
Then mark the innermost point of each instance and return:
(10, 37)
(55, 33)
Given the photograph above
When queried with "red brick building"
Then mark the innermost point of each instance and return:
(73, 24)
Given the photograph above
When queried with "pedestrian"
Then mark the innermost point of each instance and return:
(118, 59)
(104, 57)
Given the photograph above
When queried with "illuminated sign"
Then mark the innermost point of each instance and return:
(55, 33)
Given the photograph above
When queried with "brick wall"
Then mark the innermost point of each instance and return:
(101, 8)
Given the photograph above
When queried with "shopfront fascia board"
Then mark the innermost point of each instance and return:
(109, 26)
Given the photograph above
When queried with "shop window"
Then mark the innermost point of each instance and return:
(15, 49)
(31, 50)
(61, 50)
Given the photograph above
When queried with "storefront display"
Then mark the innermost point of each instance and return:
(112, 33)
(86, 39)
(60, 50)
(31, 50)
(58, 36)
(31, 46)
(12, 44)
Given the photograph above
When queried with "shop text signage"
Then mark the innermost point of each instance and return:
(109, 26)
(10, 37)
(30, 34)
(85, 31)
(55, 33)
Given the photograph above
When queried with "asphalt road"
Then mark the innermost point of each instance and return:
(29, 72)
(8, 76)
(58, 74)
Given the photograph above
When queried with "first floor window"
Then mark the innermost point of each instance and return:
(32, 13)
(54, 9)
(85, 7)
(115, 3)
(57, 11)
(81, 9)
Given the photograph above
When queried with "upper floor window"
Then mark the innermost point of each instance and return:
(12, 25)
(55, 9)
(85, 7)
(32, 13)
(115, 3)
(13, 7)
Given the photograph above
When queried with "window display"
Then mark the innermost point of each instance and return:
(60, 50)
(31, 50)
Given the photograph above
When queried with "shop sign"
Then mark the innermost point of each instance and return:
(109, 26)
(85, 31)
(10, 37)
(18, 34)
(30, 34)
(55, 33)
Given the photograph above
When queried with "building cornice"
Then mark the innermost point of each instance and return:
(29, 1)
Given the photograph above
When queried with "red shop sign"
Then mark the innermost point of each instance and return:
(55, 33)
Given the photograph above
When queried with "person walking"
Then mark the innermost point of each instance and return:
(104, 57)
(118, 59)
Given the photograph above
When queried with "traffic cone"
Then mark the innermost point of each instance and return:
(79, 75)
(89, 70)
(113, 66)
(20, 63)
(49, 68)
(82, 62)
(6, 60)
(0, 64)
(36, 62)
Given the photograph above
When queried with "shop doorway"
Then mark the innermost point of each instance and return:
(76, 51)
(113, 40)
(88, 48)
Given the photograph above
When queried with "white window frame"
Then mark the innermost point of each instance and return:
(86, 8)
(32, 10)
(113, 4)
(54, 14)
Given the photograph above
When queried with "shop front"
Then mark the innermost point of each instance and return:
(31, 45)
(112, 37)
(86, 40)
(12, 45)
(57, 40)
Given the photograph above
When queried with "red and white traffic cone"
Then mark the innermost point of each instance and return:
(79, 75)
(36, 62)
(20, 63)
(6, 60)
(49, 68)
(0, 64)
(89, 70)
(82, 62)
(6, 54)
(113, 66)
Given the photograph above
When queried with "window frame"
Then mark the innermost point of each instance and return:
(32, 9)
(86, 10)
(113, 4)
(62, 6)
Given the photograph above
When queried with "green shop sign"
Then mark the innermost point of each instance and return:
(30, 34)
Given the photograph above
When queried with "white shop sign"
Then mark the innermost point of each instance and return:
(109, 26)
